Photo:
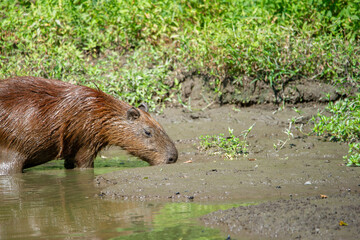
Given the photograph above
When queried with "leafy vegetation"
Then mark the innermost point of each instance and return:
(342, 124)
(232, 146)
(129, 48)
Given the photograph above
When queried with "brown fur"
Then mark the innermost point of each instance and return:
(42, 119)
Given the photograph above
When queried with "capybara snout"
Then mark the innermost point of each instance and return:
(43, 119)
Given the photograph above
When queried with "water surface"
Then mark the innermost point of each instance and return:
(59, 204)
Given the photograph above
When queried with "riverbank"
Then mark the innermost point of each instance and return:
(294, 176)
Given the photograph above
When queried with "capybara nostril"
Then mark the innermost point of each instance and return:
(173, 157)
(171, 160)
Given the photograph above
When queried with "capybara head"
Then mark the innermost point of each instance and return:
(145, 138)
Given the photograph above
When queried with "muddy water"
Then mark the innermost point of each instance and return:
(58, 204)
(61, 204)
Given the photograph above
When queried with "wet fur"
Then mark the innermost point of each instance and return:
(42, 119)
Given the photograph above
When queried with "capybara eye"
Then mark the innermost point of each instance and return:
(147, 133)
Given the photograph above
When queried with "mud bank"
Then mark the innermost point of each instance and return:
(282, 172)
(336, 217)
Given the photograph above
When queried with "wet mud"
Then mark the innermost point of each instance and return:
(336, 217)
(298, 181)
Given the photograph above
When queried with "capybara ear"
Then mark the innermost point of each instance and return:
(143, 107)
(132, 114)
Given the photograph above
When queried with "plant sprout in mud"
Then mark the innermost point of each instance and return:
(342, 125)
(288, 131)
(232, 146)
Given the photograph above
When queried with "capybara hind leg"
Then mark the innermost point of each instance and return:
(10, 161)
(84, 158)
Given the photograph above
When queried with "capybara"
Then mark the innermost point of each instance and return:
(44, 119)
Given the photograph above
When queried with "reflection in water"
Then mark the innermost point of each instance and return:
(60, 204)
(178, 221)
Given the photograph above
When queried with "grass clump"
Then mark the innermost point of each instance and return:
(342, 124)
(231, 147)
(142, 77)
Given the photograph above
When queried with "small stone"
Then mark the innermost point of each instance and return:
(102, 194)
(307, 183)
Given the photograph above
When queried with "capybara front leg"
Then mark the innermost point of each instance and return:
(84, 158)
(10, 161)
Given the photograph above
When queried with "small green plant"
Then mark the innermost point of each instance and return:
(342, 123)
(353, 157)
(281, 143)
(232, 146)
(293, 123)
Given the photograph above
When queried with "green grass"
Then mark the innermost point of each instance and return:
(113, 43)
(341, 122)
(231, 147)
